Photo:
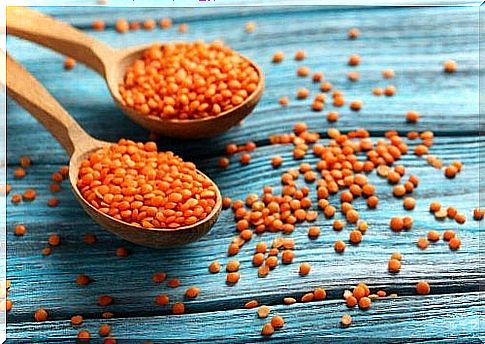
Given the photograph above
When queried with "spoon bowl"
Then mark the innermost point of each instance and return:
(112, 65)
(32, 96)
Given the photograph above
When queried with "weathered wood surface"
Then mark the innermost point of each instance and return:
(413, 41)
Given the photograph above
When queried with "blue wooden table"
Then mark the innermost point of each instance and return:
(412, 41)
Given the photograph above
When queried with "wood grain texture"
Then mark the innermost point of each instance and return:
(412, 319)
(412, 41)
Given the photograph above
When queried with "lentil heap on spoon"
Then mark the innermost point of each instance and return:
(134, 183)
(188, 80)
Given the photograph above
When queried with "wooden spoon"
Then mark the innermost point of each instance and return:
(112, 64)
(33, 97)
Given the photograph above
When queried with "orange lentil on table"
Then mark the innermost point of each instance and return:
(84, 335)
(353, 76)
(378, 91)
(283, 101)
(460, 218)
(478, 214)
(245, 158)
(19, 173)
(214, 267)
(263, 311)
(122, 25)
(412, 116)
(422, 243)
(433, 235)
(20, 230)
(187, 88)
(346, 320)
(76, 320)
(162, 300)
(25, 161)
(192, 292)
(46, 251)
(422, 288)
(454, 243)
(178, 308)
(105, 300)
(278, 57)
(388, 73)
(356, 105)
(232, 277)
(54, 240)
(152, 194)
(122, 252)
(353, 33)
(104, 330)
(394, 265)
(174, 283)
(303, 71)
(251, 304)
(267, 330)
(159, 277)
(354, 60)
(390, 90)
(98, 25)
(165, 23)
(449, 66)
(232, 266)
(41, 315)
(69, 63)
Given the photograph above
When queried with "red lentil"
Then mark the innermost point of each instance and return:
(304, 269)
(121, 25)
(412, 116)
(172, 101)
(388, 73)
(478, 214)
(394, 265)
(214, 267)
(162, 300)
(390, 90)
(98, 25)
(449, 66)
(353, 33)
(169, 205)
(232, 277)
(19, 173)
(105, 300)
(460, 218)
(41, 315)
(122, 252)
(422, 243)
(192, 292)
(178, 308)
(83, 335)
(278, 57)
(267, 330)
(76, 320)
(69, 63)
(173, 283)
(454, 243)
(346, 320)
(104, 330)
(263, 311)
(165, 23)
(422, 288)
(20, 230)
(251, 304)
(25, 161)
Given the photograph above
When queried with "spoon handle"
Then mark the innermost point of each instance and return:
(29, 93)
(61, 37)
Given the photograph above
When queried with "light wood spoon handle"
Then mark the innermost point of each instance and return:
(61, 37)
(33, 97)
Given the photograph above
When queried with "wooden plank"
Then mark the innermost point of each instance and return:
(411, 318)
(447, 271)
(413, 42)
(416, 55)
